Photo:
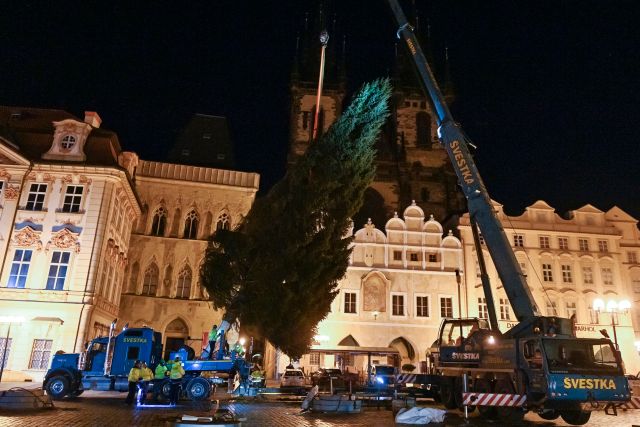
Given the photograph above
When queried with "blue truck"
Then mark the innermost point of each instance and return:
(106, 363)
(539, 364)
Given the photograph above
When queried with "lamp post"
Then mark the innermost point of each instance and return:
(8, 320)
(613, 308)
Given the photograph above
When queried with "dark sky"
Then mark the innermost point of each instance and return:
(548, 90)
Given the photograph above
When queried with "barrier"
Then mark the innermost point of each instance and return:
(493, 399)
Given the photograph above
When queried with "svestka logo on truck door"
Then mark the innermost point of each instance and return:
(589, 383)
(462, 163)
(135, 339)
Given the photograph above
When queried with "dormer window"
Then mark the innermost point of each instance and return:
(67, 142)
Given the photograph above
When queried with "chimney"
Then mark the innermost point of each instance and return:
(92, 118)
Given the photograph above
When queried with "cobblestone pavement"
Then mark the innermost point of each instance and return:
(107, 409)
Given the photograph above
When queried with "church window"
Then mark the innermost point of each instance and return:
(67, 142)
(424, 194)
(184, 283)
(223, 222)
(150, 281)
(305, 120)
(407, 104)
(191, 225)
(423, 105)
(423, 127)
(159, 222)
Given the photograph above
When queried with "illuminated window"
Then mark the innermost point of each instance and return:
(566, 274)
(551, 308)
(547, 273)
(67, 142)
(19, 268)
(397, 305)
(422, 306)
(544, 242)
(150, 281)
(58, 270)
(72, 198)
(583, 244)
(446, 307)
(518, 240)
(314, 358)
(504, 309)
(603, 246)
(350, 302)
(223, 222)
(35, 199)
(607, 276)
(483, 312)
(572, 310)
(587, 275)
(191, 226)
(40, 354)
(563, 243)
(5, 348)
(184, 283)
(159, 222)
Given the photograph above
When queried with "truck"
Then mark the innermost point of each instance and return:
(539, 364)
(106, 363)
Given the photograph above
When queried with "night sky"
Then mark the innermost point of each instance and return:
(547, 90)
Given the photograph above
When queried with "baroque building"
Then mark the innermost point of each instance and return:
(568, 263)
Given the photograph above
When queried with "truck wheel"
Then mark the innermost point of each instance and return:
(549, 415)
(166, 389)
(504, 413)
(57, 387)
(447, 393)
(575, 417)
(484, 386)
(198, 389)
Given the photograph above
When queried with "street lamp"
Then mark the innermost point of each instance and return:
(613, 308)
(8, 320)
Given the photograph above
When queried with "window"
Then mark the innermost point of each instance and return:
(544, 242)
(223, 222)
(314, 359)
(518, 240)
(72, 198)
(424, 194)
(566, 273)
(191, 226)
(397, 255)
(607, 276)
(572, 310)
(547, 273)
(422, 306)
(552, 308)
(159, 222)
(19, 268)
(635, 284)
(423, 128)
(446, 307)
(184, 283)
(523, 268)
(350, 302)
(603, 246)
(133, 353)
(583, 244)
(397, 305)
(594, 316)
(35, 199)
(413, 256)
(67, 142)
(504, 309)
(5, 348)
(632, 258)
(150, 281)
(587, 275)
(58, 270)
(563, 243)
(483, 312)
(433, 258)
(40, 354)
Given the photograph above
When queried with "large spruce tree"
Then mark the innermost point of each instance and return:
(278, 271)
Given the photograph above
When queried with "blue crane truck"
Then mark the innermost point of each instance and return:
(538, 365)
(72, 373)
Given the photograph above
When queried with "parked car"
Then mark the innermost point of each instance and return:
(323, 377)
(292, 378)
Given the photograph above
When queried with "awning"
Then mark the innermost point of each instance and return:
(354, 350)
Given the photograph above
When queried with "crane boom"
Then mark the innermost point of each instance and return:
(479, 203)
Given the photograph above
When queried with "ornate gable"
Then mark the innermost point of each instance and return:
(69, 138)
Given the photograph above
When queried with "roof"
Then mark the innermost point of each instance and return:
(355, 349)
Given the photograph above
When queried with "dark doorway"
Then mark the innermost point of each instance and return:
(172, 344)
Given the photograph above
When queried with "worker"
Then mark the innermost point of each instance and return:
(238, 349)
(213, 336)
(158, 379)
(143, 385)
(135, 375)
(177, 372)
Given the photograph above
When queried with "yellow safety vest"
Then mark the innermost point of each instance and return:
(176, 371)
(160, 370)
(134, 374)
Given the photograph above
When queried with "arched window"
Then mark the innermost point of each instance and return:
(423, 127)
(184, 283)
(159, 222)
(133, 278)
(150, 281)
(223, 222)
(191, 225)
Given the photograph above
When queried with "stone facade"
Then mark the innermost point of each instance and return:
(568, 264)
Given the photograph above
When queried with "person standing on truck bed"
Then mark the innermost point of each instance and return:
(135, 375)
(213, 335)
(158, 380)
(177, 373)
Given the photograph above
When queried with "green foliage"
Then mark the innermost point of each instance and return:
(277, 272)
